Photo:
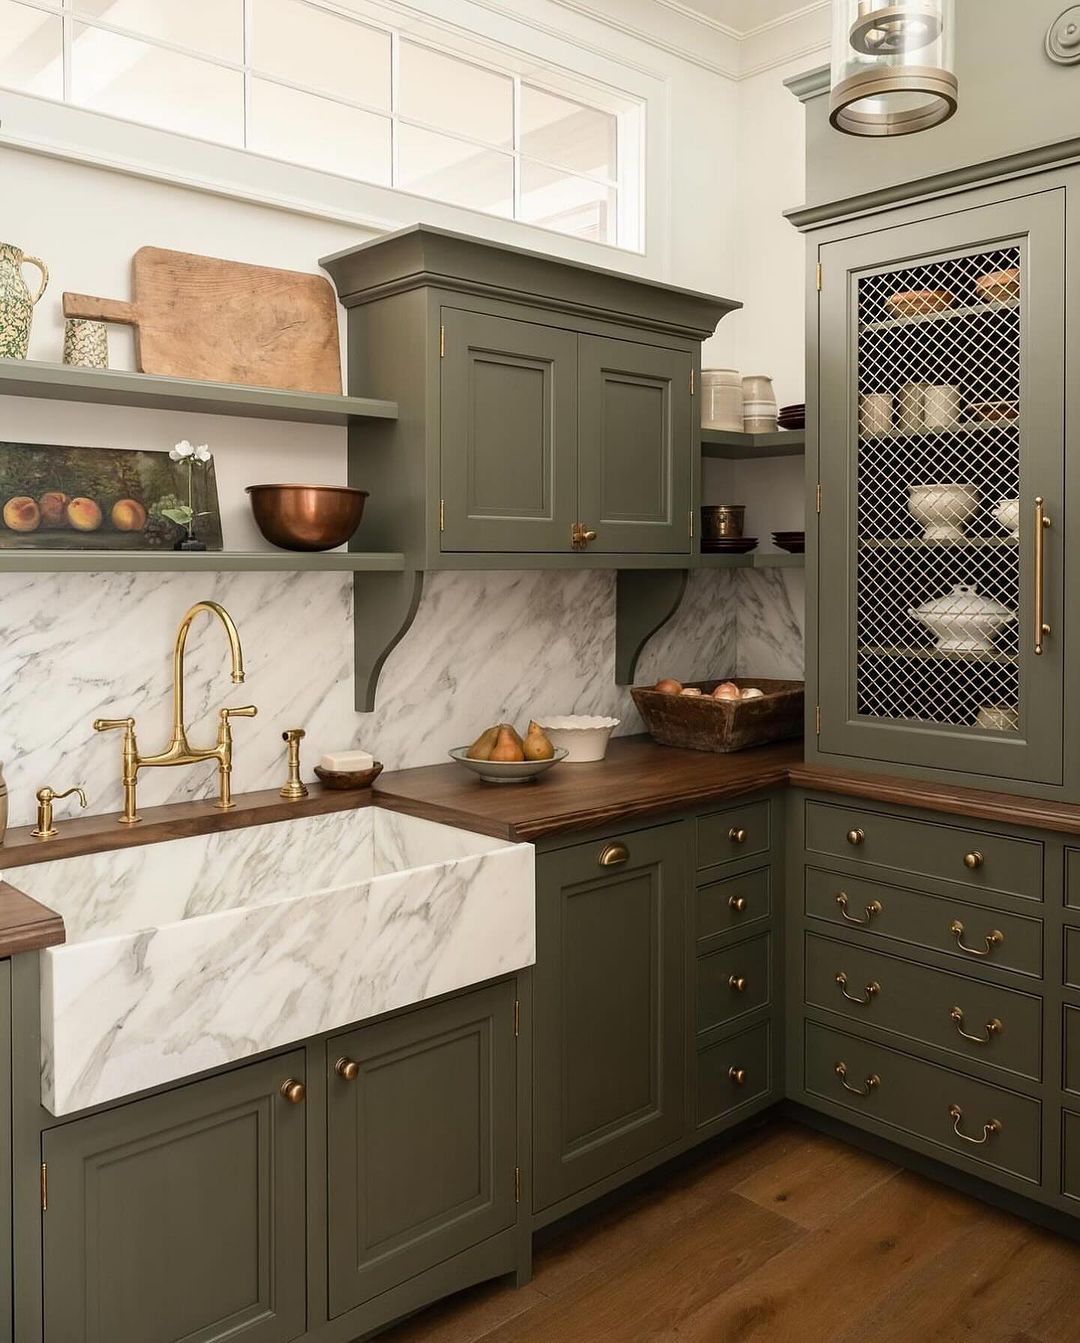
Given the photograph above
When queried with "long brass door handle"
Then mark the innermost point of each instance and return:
(993, 1027)
(613, 855)
(874, 908)
(994, 938)
(872, 990)
(873, 1081)
(1042, 526)
(990, 1130)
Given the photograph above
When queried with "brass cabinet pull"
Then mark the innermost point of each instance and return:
(737, 835)
(580, 535)
(872, 990)
(993, 1027)
(294, 1092)
(1042, 525)
(973, 860)
(737, 983)
(737, 1075)
(737, 903)
(874, 908)
(993, 939)
(347, 1069)
(990, 1130)
(872, 1082)
(856, 837)
(613, 855)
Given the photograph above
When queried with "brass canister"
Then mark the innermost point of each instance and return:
(722, 522)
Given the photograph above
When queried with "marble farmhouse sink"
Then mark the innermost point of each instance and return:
(194, 953)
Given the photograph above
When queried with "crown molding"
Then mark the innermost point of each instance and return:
(782, 19)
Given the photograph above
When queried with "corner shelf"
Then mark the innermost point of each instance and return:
(59, 382)
(770, 560)
(726, 445)
(199, 561)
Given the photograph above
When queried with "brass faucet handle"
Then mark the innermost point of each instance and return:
(109, 724)
(244, 711)
(45, 798)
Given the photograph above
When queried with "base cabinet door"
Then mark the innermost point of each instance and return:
(180, 1218)
(421, 1132)
(610, 979)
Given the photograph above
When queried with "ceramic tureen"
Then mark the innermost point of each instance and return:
(963, 621)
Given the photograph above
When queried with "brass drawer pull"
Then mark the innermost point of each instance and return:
(614, 854)
(874, 908)
(737, 983)
(737, 1076)
(737, 835)
(990, 1130)
(293, 1091)
(872, 990)
(856, 837)
(993, 1027)
(347, 1069)
(737, 903)
(973, 860)
(872, 1082)
(1042, 525)
(993, 939)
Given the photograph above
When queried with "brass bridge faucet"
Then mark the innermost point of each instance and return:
(180, 751)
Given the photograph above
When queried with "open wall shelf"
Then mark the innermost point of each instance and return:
(725, 445)
(199, 561)
(752, 561)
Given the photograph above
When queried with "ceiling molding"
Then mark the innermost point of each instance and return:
(792, 17)
(651, 38)
(696, 16)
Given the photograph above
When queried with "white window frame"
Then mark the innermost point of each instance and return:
(71, 132)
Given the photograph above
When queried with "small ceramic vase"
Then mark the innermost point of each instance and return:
(759, 405)
(721, 399)
(86, 343)
(16, 305)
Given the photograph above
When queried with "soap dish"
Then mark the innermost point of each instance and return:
(343, 780)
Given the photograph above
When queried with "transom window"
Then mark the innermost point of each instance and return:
(332, 85)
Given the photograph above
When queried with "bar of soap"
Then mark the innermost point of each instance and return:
(347, 762)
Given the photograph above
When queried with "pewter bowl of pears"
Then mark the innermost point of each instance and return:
(501, 755)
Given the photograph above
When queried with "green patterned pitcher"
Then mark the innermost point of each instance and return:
(16, 305)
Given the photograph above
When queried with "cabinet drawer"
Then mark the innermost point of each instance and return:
(923, 920)
(1071, 968)
(1070, 1073)
(732, 1073)
(735, 832)
(998, 862)
(731, 903)
(1072, 878)
(1070, 1156)
(929, 1005)
(968, 1120)
(732, 982)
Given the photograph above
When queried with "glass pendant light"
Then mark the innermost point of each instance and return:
(892, 66)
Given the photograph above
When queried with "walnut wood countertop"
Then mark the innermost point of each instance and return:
(24, 924)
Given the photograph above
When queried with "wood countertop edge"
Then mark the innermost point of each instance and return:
(26, 924)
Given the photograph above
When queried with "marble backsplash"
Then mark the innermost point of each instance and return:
(484, 647)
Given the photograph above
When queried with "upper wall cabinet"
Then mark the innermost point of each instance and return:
(546, 408)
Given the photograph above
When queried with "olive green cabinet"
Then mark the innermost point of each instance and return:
(421, 1141)
(6, 1303)
(180, 1217)
(609, 1076)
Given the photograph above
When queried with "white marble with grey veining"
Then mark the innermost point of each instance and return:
(771, 623)
(131, 1007)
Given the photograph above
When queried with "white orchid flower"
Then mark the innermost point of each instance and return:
(182, 451)
(202, 453)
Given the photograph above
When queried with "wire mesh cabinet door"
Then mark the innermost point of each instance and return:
(942, 467)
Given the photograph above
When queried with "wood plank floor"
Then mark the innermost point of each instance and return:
(784, 1236)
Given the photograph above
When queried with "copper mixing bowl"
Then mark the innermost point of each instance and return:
(307, 517)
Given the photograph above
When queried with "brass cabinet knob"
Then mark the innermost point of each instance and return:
(737, 903)
(347, 1069)
(973, 860)
(856, 837)
(613, 855)
(737, 1075)
(294, 1092)
(580, 535)
(737, 835)
(737, 983)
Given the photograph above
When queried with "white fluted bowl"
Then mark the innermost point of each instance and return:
(582, 737)
(942, 510)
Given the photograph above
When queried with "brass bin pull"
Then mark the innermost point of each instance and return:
(293, 1091)
(856, 837)
(994, 938)
(737, 835)
(993, 1027)
(872, 990)
(613, 855)
(990, 1130)
(1042, 525)
(872, 1082)
(874, 908)
(347, 1069)
(737, 1076)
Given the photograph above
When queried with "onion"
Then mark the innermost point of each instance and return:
(669, 686)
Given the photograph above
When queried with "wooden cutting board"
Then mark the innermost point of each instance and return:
(224, 321)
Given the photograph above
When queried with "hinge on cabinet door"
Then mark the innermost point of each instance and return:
(817, 719)
(517, 1018)
(44, 1186)
(819, 497)
(517, 1184)
(442, 342)
(820, 281)
(442, 515)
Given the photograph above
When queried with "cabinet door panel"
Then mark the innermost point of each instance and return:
(929, 422)
(508, 435)
(635, 446)
(180, 1219)
(609, 1063)
(421, 1143)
